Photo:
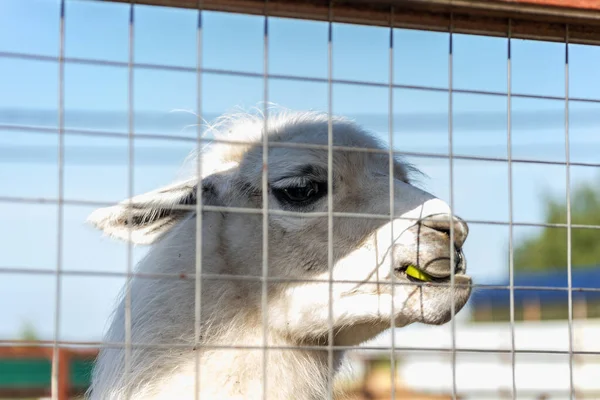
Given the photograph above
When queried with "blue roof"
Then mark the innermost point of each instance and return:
(547, 281)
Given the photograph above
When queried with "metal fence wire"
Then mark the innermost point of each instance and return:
(566, 22)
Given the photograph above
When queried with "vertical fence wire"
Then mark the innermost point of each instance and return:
(199, 203)
(265, 195)
(55, 389)
(391, 199)
(451, 184)
(569, 227)
(511, 258)
(330, 200)
(130, 188)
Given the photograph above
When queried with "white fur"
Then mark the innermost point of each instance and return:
(162, 310)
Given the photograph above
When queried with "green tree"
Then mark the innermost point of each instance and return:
(28, 332)
(548, 249)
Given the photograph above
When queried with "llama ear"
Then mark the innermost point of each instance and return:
(153, 213)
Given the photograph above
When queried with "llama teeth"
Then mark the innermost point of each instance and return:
(416, 273)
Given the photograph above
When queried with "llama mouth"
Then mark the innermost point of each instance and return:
(415, 273)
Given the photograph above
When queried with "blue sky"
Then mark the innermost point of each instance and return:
(96, 98)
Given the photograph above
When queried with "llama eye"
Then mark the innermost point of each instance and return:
(300, 194)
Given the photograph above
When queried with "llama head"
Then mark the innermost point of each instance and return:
(370, 289)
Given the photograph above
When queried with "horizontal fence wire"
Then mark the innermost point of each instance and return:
(181, 138)
(398, 349)
(275, 279)
(312, 214)
(217, 71)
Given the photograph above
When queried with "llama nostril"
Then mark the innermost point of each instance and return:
(441, 223)
(458, 259)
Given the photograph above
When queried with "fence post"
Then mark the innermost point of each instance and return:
(63, 374)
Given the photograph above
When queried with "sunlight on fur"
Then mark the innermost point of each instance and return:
(367, 254)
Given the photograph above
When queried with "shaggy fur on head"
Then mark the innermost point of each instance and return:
(367, 254)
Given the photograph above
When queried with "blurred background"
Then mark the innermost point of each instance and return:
(165, 101)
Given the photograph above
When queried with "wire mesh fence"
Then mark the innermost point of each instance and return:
(405, 353)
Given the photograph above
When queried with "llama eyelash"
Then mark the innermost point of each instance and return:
(291, 182)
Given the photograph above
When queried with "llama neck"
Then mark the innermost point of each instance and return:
(290, 373)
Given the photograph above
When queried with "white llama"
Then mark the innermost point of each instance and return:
(163, 355)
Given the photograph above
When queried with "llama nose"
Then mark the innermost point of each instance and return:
(441, 223)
